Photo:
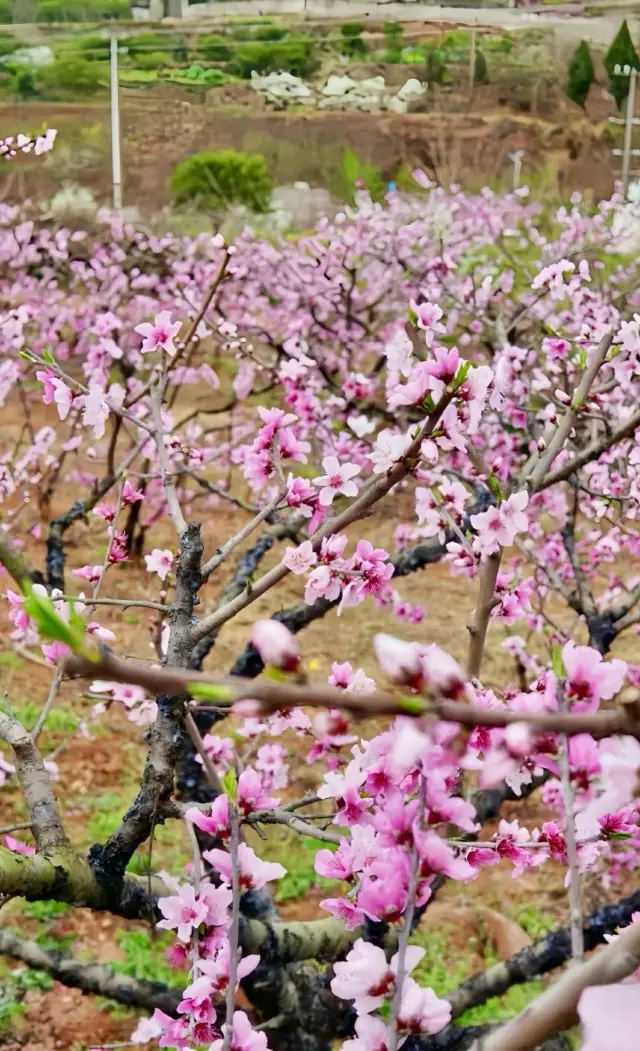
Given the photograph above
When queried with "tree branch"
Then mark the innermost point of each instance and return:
(369, 495)
(111, 860)
(478, 630)
(91, 977)
(591, 452)
(274, 695)
(33, 778)
(545, 955)
(570, 417)
(557, 1008)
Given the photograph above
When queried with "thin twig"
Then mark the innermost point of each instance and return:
(120, 602)
(18, 827)
(591, 452)
(223, 552)
(407, 927)
(486, 602)
(570, 417)
(48, 704)
(211, 487)
(277, 816)
(234, 930)
(169, 488)
(198, 744)
(573, 863)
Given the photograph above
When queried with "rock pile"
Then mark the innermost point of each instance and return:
(340, 92)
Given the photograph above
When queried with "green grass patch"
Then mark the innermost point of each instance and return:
(297, 853)
(443, 969)
(61, 718)
(103, 823)
(144, 957)
(9, 659)
(44, 910)
(535, 922)
(14, 985)
(500, 1008)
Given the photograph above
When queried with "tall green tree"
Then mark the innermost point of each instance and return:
(621, 53)
(581, 74)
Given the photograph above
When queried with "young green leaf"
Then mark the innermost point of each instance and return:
(211, 691)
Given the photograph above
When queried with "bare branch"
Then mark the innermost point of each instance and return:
(91, 977)
(275, 695)
(48, 704)
(573, 863)
(122, 603)
(279, 816)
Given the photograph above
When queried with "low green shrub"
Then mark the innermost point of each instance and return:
(81, 10)
(215, 179)
(214, 47)
(71, 75)
(93, 46)
(242, 32)
(393, 40)
(23, 82)
(480, 73)
(8, 44)
(153, 60)
(355, 174)
(270, 33)
(435, 69)
(294, 55)
(144, 43)
(6, 12)
(352, 45)
(200, 75)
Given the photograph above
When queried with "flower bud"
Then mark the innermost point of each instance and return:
(442, 673)
(276, 645)
(399, 660)
(519, 739)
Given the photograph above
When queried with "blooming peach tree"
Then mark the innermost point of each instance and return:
(472, 363)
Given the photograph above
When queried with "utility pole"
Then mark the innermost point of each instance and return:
(115, 128)
(472, 62)
(629, 121)
(516, 158)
